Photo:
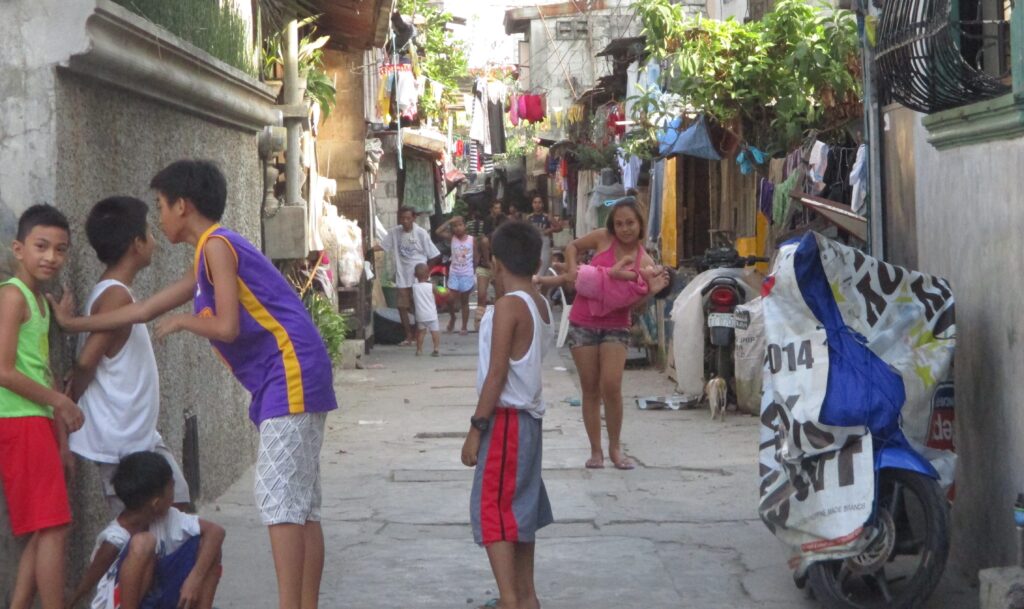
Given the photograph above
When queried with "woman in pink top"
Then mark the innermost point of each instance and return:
(598, 342)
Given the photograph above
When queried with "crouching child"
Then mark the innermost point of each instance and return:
(509, 503)
(152, 556)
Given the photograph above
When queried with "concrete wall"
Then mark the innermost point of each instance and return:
(342, 136)
(555, 63)
(71, 140)
(969, 219)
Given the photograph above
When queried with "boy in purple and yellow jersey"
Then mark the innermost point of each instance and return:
(258, 325)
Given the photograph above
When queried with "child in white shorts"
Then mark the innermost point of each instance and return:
(426, 311)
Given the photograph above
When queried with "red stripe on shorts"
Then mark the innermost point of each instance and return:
(497, 521)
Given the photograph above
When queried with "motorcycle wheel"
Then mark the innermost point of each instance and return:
(900, 569)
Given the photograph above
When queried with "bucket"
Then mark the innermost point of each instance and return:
(390, 296)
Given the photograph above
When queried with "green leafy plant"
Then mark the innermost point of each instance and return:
(767, 81)
(328, 322)
(213, 26)
(444, 54)
(319, 86)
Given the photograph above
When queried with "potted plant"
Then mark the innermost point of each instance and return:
(315, 83)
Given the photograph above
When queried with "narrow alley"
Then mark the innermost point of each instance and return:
(680, 531)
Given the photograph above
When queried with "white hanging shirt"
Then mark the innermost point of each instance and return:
(122, 403)
(522, 389)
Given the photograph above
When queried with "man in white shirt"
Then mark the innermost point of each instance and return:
(410, 245)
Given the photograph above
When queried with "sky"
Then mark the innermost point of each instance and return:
(485, 30)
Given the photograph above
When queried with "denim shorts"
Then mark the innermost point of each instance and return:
(593, 337)
(461, 284)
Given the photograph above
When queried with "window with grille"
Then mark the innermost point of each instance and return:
(571, 30)
(933, 55)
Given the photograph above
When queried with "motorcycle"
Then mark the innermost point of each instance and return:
(850, 459)
(721, 295)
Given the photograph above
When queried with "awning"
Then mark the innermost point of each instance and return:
(836, 213)
(424, 140)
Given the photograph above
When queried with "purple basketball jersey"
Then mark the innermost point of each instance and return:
(278, 354)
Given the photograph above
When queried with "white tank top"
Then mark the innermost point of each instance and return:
(122, 403)
(522, 389)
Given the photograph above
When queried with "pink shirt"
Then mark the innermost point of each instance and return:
(606, 294)
(582, 314)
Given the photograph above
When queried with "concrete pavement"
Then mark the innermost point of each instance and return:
(679, 531)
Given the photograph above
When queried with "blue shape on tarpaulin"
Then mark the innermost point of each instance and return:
(862, 388)
(692, 141)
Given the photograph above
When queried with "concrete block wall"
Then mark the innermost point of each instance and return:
(968, 218)
(385, 191)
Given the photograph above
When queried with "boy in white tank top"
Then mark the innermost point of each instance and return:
(509, 502)
(115, 379)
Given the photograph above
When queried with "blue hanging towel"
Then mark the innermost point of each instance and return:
(692, 141)
(747, 157)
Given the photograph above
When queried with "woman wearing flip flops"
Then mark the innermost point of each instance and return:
(598, 343)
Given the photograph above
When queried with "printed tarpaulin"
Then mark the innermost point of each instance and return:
(857, 351)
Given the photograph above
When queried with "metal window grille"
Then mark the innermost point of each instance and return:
(921, 55)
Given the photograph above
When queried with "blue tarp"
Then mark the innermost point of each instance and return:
(692, 141)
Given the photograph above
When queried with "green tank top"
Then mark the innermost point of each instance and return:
(32, 359)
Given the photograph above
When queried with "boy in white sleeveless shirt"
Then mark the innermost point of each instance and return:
(115, 379)
(509, 502)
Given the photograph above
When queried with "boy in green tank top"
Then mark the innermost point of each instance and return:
(35, 417)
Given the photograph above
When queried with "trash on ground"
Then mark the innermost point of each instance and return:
(573, 401)
(371, 422)
(560, 369)
(672, 402)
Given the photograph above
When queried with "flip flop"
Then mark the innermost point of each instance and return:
(406, 343)
(463, 332)
(591, 465)
(625, 464)
(491, 604)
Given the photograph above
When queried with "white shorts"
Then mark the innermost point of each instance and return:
(181, 494)
(430, 326)
(287, 484)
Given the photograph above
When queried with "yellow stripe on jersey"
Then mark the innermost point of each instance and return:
(292, 369)
(199, 249)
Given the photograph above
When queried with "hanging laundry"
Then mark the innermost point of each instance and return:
(513, 110)
(780, 199)
(669, 230)
(420, 191)
(474, 156)
(534, 108)
(765, 192)
(654, 215)
(818, 165)
(748, 157)
(496, 119)
(859, 179)
(479, 127)
(629, 167)
(614, 122)
(632, 92)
